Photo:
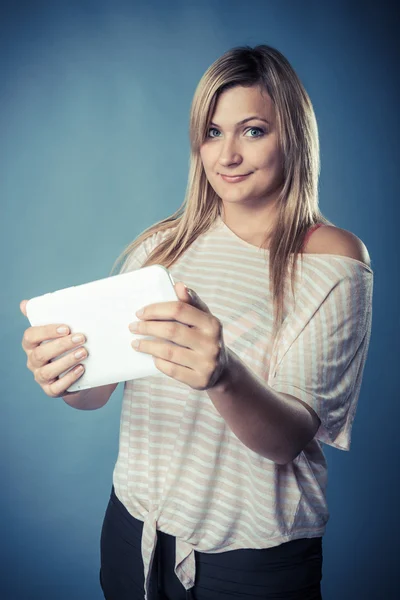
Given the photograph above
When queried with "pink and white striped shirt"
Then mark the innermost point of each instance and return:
(180, 469)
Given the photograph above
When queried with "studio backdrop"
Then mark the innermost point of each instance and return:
(94, 148)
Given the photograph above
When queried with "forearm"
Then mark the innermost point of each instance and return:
(90, 399)
(269, 423)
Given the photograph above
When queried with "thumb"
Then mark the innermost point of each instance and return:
(188, 295)
(183, 292)
(22, 307)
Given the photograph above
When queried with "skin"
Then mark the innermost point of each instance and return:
(201, 356)
(198, 356)
(231, 149)
(277, 426)
(201, 359)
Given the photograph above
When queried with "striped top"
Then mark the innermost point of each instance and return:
(180, 469)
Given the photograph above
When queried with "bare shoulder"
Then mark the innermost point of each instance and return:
(333, 240)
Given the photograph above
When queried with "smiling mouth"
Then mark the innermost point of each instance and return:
(232, 176)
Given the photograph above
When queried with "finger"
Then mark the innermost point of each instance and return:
(177, 372)
(43, 353)
(33, 336)
(169, 352)
(173, 331)
(59, 386)
(182, 291)
(52, 370)
(189, 296)
(177, 310)
(22, 307)
(183, 374)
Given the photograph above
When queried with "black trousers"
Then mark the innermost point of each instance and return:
(290, 571)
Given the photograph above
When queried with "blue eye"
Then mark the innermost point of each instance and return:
(260, 131)
(211, 129)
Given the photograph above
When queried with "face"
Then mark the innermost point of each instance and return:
(250, 148)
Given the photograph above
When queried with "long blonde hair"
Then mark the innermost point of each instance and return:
(297, 130)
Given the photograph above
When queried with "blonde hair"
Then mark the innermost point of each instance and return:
(297, 206)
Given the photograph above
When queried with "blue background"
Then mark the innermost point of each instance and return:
(95, 100)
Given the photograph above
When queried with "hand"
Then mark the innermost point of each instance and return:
(39, 355)
(197, 356)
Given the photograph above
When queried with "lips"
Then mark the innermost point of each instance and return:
(235, 178)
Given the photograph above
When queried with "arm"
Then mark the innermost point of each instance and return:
(276, 425)
(91, 398)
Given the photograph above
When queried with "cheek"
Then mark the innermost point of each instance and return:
(207, 160)
(271, 161)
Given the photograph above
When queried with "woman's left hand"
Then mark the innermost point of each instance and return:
(200, 356)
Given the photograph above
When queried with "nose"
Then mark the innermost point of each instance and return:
(229, 154)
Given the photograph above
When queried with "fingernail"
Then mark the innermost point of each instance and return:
(77, 338)
(62, 330)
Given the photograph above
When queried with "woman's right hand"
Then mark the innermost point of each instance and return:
(39, 355)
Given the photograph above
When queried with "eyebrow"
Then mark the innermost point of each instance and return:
(245, 121)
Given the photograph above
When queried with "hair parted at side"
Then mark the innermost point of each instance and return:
(297, 130)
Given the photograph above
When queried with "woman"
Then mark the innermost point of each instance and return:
(219, 489)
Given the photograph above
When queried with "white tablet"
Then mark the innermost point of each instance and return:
(102, 310)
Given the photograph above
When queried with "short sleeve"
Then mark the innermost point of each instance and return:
(322, 356)
(136, 259)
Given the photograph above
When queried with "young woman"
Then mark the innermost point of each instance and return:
(219, 490)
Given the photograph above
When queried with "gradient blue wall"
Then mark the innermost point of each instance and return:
(95, 100)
